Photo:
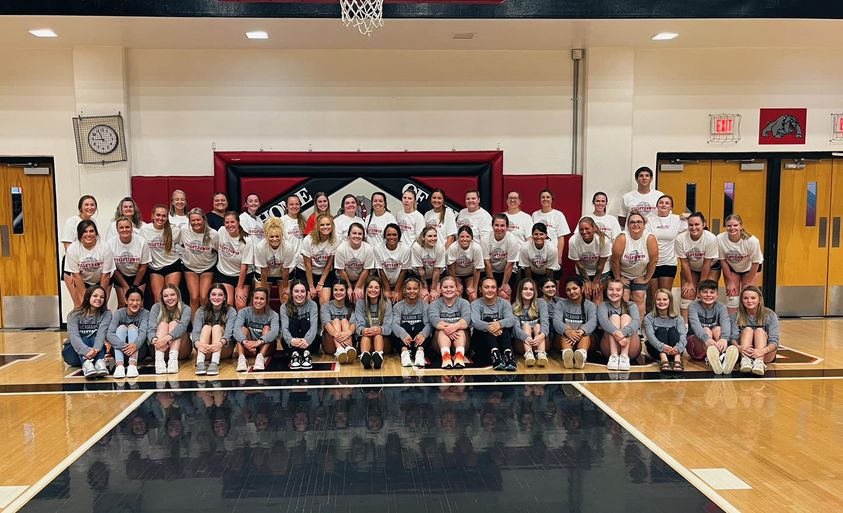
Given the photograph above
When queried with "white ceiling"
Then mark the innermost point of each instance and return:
(173, 33)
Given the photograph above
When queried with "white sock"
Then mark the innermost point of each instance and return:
(461, 350)
(200, 357)
(215, 358)
(446, 350)
(159, 356)
(174, 356)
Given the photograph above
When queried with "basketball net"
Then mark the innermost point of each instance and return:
(364, 15)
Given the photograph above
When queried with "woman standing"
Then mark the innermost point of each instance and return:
(317, 253)
(348, 216)
(667, 227)
(501, 252)
(429, 258)
(409, 219)
(199, 257)
(474, 216)
(608, 224)
(178, 209)
(89, 262)
(87, 209)
(131, 259)
(220, 206)
(554, 220)
(353, 261)
(274, 258)
(249, 218)
(740, 259)
(235, 253)
(590, 250)
(520, 222)
(442, 218)
(162, 238)
(87, 326)
(465, 261)
(393, 260)
(538, 258)
(321, 205)
(129, 209)
(697, 251)
(635, 254)
(378, 220)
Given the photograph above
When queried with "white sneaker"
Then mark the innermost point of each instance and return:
(160, 366)
(260, 363)
(406, 361)
(758, 367)
(132, 371)
(241, 364)
(623, 363)
(420, 363)
(119, 372)
(568, 358)
(746, 365)
(580, 357)
(88, 369)
(529, 358)
(541, 359)
(173, 366)
(713, 358)
(613, 363)
(101, 368)
(341, 355)
(731, 359)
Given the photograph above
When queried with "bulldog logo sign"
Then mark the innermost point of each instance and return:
(782, 126)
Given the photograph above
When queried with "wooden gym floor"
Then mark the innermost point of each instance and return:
(746, 444)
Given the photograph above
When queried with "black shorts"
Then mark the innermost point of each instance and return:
(175, 267)
(513, 280)
(65, 273)
(330, 279)
(603, 277)
(211, 269)
(557, 274)
(270, 279)
(744, 273)
(225, 279)
(129, 279)
(665, 271)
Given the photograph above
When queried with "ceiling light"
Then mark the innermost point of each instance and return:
(464, 35)
(257, 34)
(45, 32)
(665, 36)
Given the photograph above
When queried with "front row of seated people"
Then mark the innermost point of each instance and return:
(492, 328)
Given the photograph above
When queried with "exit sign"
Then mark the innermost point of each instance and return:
(837, 127)
(724, 128)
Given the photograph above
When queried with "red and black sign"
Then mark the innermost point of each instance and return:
(782, 126)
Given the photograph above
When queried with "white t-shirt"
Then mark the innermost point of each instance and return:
(697, 251)
(480, 222)
(342, 223)
(609, 225)
(499, 252)
(199, 256)
(318, 252)
(465, 261)
(177, 221)
(354, 261)
(635, 256)
(129, 257)
(274, 260)
(429, 258)
(252, 225)
(557, 225)
(293, 236)
(739, 255)
(375, 225)
(68, 233)
(411, 225)
(92, 263)
(588, 253)
(444, 229)
(520, 225)
(392, 262)
(111, 231)
(645, 204)
(155, 239)
(231, 253)
(666, 229)
(539, 261)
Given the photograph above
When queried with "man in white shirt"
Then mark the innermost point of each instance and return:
(641, 200)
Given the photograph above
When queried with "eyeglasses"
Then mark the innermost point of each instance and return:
(636, 222)
(512, 198)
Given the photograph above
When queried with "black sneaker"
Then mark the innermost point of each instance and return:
(295, 360)
(377, 360)
(306, 362)
(497, 362)
(366, 359)
(510, 361)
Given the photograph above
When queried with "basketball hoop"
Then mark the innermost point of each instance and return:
(364, 15)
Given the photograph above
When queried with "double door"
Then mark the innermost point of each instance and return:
(718, 188)
(29, 285)
(809, 276)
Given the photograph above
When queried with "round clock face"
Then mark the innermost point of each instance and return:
(102, 139)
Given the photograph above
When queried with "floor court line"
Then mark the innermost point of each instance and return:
(33, 490)
(690, 476)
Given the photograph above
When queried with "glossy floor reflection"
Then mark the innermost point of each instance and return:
(459, 449)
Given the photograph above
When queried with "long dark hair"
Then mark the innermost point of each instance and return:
(85, 307)
(208, 308)
(290, 305)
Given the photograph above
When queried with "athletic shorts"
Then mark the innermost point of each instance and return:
(637, 287)
(665, 271)
(225, 279)
(129, 279)
(175, 267)
(745, 272)
(211, 269)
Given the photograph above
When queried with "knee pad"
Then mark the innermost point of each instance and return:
(685, 303)
(733, 301)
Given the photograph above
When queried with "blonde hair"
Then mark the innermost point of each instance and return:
(518, 305)
(761, 312)
(273, 224)
(173, 195)
(165, 314)
(597, 232)
(744, 234)
(168, 229)
(381, 303)
(316, 237)
(624, 306)
(670, 312)
(206, 235)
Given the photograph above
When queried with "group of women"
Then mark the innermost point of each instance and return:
(439, 282)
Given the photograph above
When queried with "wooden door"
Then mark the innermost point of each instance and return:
(734, 191)
(29, 288)
(835, 251)
(690, 187)
(803, 244)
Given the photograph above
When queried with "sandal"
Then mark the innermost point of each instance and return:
(665, 367)
(678, 367)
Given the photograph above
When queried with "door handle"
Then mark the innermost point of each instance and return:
(715, 226)
(823, 232)
(5, 245)
(835, 232)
